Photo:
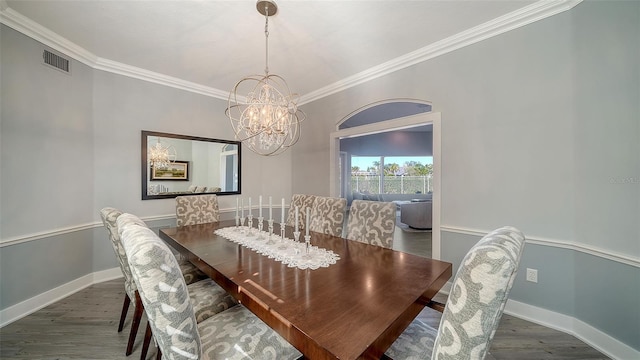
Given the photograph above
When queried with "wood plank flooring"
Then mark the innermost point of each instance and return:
(84, 326)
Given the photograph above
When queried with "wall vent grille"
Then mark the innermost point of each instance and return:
(56, 61)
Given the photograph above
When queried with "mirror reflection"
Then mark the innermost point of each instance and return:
(195, 166)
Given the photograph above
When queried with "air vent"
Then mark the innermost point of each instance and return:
(56, 61)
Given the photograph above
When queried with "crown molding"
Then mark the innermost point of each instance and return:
(28, 27)
(521, 17)
(157, 78)
(537, 11)
(32, 29)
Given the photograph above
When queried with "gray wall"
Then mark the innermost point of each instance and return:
(540, 131)
(71, 146)
(393, 143)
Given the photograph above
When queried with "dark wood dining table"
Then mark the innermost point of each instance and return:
(353, 309)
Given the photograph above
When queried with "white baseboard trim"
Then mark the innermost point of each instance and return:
(593, 337)
(29, 306)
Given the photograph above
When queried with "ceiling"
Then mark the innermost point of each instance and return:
(314, 45)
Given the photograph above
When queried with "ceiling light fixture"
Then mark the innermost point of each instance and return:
(160, 156)
(267, 120)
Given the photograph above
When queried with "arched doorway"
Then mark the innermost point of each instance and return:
(385, 117)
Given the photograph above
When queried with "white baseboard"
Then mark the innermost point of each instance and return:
(24, 308)
(595, 338)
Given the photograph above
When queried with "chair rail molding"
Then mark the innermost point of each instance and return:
(563, 244)
(74, 228)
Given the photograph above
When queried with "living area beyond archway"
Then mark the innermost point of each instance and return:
(388, 132)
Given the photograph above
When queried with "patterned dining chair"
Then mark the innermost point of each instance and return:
(197, 209)
(208, 296)
(474, 306)
(327, 215)
(372, 222)
(232, 334)
(303, 202)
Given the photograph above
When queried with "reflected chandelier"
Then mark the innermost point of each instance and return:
(160, 156)
(267, 120)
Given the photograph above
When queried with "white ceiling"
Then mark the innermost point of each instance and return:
(314, 45)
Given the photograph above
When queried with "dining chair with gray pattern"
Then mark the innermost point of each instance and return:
(302, 202)
(327, 215)
(197, 209)
(232, 334)
(207, 296)
(475, 304)
(372, 222)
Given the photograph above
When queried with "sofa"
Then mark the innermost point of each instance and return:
(417, 214)
(399, 199)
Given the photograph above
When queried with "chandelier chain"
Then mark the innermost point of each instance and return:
(266, 37)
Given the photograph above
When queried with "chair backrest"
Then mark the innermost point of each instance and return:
(303, 202)
(478, 296)
(372, 222)
(109, 217)
(327, 215)
(197, 209)
(163, 291)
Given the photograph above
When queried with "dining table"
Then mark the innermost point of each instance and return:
(353, 308)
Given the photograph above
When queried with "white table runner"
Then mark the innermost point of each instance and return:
(286, 251)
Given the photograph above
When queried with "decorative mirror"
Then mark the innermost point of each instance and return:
(191, 165)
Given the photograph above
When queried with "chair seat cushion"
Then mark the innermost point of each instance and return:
(191, 273)
(208, 299)
(238, 334)
(416, 342)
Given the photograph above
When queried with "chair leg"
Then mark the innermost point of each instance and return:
(159, 355)
(137, 315)
(125, 308)
(145, 344)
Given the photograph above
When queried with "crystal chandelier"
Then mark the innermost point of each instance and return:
(267, 120)
(160, 156)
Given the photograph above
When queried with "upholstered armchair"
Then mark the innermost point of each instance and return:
(372, 222)
(474, 306)
(327, 215)
(302, 202)
(197, 209)
(232, 334)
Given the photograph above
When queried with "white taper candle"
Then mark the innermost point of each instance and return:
(306, 228)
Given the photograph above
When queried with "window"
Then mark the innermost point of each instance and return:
(392, 174)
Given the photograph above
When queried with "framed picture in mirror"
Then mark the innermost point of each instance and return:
(177, 170)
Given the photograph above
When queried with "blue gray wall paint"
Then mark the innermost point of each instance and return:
(70, 146)
(540, 131)
(394, 143)
(524, 117)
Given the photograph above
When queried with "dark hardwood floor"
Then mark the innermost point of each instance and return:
(84, 326)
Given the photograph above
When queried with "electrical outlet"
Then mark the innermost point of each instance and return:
(532, 275)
